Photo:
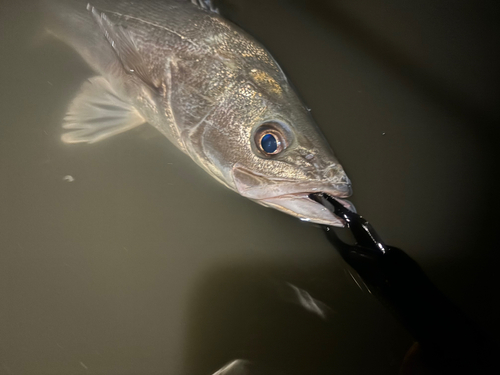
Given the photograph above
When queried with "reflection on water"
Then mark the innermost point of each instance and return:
(301, 297)
(123, 257)
(236, 367)
(238, 311)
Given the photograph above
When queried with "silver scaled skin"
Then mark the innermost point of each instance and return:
(205, 84)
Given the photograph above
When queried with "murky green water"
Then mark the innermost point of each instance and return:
(123, 257)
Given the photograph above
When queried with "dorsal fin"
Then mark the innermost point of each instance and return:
(124, 46)
(206, 4)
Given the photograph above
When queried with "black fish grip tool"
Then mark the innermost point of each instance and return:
(451, 342)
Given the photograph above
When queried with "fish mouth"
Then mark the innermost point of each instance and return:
(306, 209)
(292, 196)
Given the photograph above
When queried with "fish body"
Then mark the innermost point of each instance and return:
(210, 88)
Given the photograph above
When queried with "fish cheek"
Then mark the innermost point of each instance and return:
(221, 150)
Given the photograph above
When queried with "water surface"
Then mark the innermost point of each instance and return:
(124, 257)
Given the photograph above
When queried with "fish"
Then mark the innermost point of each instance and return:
(209, 87)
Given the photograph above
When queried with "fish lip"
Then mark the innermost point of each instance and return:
(271, 188)
(304, 194)
(335, 191)
(292, 196)
(311, 211)
(346, 203)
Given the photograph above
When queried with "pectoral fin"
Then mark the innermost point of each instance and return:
(98, 112)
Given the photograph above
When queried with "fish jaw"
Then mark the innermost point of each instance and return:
(292, 197)
(301, 206)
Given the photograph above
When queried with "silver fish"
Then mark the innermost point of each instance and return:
(209, 87)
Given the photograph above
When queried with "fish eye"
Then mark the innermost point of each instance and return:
(269, 143)
(269, 139)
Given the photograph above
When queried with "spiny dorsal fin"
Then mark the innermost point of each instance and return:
(124, 46)
(206, 4)
(97, 112)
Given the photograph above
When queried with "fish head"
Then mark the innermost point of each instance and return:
(260, 140)
(271, 151)
(290, 160)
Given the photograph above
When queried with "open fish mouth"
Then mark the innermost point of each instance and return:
(306, 209)
(292, 197)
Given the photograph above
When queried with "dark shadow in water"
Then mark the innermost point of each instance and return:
(420, 79)
(244, 312)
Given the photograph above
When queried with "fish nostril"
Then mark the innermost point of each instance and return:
(331, 173)
(345, 179)
(337, 175)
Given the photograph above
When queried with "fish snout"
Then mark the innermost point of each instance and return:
(337, 178)
(343, 190)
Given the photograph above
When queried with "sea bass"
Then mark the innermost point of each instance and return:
(210, 88)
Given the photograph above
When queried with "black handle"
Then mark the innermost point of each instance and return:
(448, 338)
